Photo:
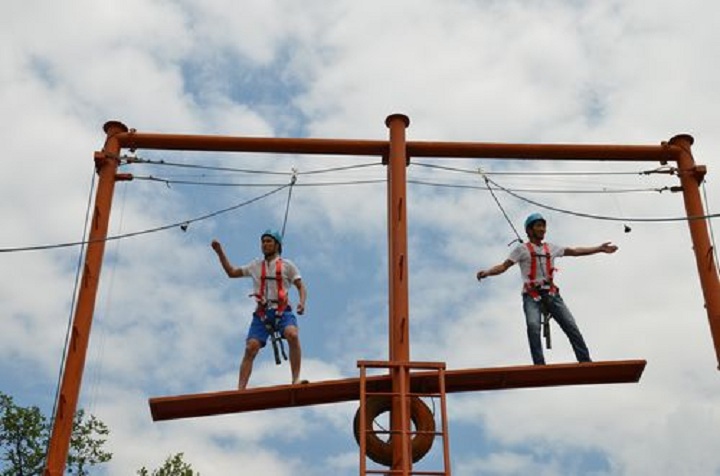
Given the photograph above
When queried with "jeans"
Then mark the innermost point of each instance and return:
(562, 316)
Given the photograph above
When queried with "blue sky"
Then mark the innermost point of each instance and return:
(169, 322)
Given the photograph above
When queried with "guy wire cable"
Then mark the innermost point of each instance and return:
(73, 302)
(710, 226)
(99, 348)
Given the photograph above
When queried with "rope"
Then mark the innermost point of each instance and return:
(487, 183)
(602, 217)
(182, 224)
(287, 206)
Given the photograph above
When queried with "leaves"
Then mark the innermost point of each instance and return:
(89, 435)
(173, 466)
(24, 435)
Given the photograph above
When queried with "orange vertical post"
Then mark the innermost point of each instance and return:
(690, 178)
(107, 163)
(399, 334)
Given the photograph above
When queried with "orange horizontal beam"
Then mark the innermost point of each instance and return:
(379, 148)
(334, 391)
(143, 140)
(484, 150)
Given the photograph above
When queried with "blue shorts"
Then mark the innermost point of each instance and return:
(258, 331)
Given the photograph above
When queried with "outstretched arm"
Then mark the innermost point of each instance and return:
(231, 271)
(302, 291)
(606, 247)
(495, 270)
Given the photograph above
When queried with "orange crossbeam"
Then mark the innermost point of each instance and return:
(335, 391)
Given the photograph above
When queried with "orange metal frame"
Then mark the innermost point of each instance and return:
(396, 153)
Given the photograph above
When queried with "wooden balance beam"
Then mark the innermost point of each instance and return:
(335, 391)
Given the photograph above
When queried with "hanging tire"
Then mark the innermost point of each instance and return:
(381, 451)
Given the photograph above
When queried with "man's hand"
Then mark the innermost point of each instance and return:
(608, 247)
(300, 308)
(216, 246)
(481, 274)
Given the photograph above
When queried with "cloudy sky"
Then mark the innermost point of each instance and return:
(168, 321)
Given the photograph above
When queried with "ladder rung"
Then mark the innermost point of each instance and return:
(440, 393)
(407, 394)
(411, 432)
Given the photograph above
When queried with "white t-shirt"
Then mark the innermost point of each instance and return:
(289, 273)
(521, 255)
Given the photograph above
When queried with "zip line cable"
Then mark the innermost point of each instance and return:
(507, 218)
(540, 190)
(603, 189)
(663, 169)
(132, 160)
(490, 185)
(340, 169)
(601, 217)
(73, 302)
(182, 224)
(287, 206)
(127, 159)
(169, 181)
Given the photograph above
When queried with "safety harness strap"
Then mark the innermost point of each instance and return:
(532, 286)
(282, 298)
(282, 303)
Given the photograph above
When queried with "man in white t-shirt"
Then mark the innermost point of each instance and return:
(272, 278)
(536, 259)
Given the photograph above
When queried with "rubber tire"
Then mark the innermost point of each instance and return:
(381, 451)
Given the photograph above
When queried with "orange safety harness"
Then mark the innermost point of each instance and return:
(282, 298)
(533, 285)
(282, 304)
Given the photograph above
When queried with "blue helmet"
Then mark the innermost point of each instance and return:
(532, 218)
(275, 235)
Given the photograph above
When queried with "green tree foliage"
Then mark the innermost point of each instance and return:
(23, 438)
(173, 466)
(89, 435)
(24, 435)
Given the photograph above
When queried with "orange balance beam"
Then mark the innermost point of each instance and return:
(334, 391)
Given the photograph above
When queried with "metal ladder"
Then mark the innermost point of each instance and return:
(404, 369)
